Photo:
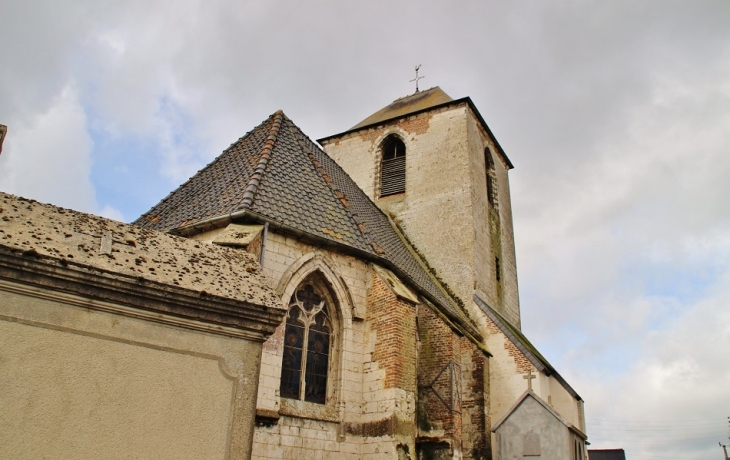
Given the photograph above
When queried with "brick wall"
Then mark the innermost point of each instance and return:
(475, 402)
(439, 408)
(394, 324)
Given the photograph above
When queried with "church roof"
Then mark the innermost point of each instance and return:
(606, 454)
(416, 103)
(524, 345)
(276, 174)
(405, 105)
(529, 394)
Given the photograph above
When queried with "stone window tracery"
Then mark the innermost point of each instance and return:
(307, 344)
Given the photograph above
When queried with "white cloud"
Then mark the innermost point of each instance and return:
(615, 114)
(48, 158)
(111, 213)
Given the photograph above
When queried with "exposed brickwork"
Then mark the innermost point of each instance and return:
(523, 364)
(416, 125)
(439, 347)
(475, 402)
(394, 324)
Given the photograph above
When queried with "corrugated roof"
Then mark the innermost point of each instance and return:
(405, 105)
(277, 173)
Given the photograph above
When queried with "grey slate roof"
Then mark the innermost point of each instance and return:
(524, 345)
(276, 173)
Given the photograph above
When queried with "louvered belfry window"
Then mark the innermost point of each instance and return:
(489, 166)
(393, 166)
(305, 362)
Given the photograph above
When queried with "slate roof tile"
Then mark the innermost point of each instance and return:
(277, 172)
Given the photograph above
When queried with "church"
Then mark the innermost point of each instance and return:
(388, 251)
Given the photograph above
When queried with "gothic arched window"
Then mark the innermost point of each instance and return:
(307, 336)
(393, 166)
(489, 166)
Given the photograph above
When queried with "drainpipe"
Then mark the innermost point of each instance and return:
(263, 244)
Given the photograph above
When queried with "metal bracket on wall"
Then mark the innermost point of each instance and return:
(452, 372)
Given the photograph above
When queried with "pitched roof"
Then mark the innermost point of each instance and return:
(405, 105)
(606, 454)
(531, 394)
(276, 174)
(423, 101)
(524, 345)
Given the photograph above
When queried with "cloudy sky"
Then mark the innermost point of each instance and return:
(616, 115)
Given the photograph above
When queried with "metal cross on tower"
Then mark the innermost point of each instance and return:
(417, 77)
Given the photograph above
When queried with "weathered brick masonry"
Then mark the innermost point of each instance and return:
(394, 323)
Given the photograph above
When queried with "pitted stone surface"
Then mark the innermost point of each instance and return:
(74, 238)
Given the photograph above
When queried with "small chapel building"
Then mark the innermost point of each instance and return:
(391, 246)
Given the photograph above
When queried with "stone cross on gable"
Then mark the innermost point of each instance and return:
(529, 378)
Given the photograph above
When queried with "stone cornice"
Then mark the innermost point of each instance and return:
(135, 296)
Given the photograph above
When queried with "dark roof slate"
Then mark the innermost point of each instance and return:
(524, 345)
(278, 173)
(606, 454)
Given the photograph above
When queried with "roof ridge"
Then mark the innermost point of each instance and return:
(420, 92)
(258, 172)
(139, 220)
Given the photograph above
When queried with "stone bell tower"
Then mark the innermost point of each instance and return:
(432, 164)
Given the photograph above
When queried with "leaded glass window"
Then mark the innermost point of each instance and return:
(306, 347)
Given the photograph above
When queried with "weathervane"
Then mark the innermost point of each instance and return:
(417, 77)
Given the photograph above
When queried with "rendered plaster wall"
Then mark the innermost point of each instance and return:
(85, 384)
(565, 404)
(555, 439)
(507, 368)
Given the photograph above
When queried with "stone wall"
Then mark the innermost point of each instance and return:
(453, 397)
(445, 184)
(533, 428)
(121, 342)
(370, 411)
(82, 383)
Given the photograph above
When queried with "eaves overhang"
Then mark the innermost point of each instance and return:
(248, 216)
(135, 296)
(524, 345)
